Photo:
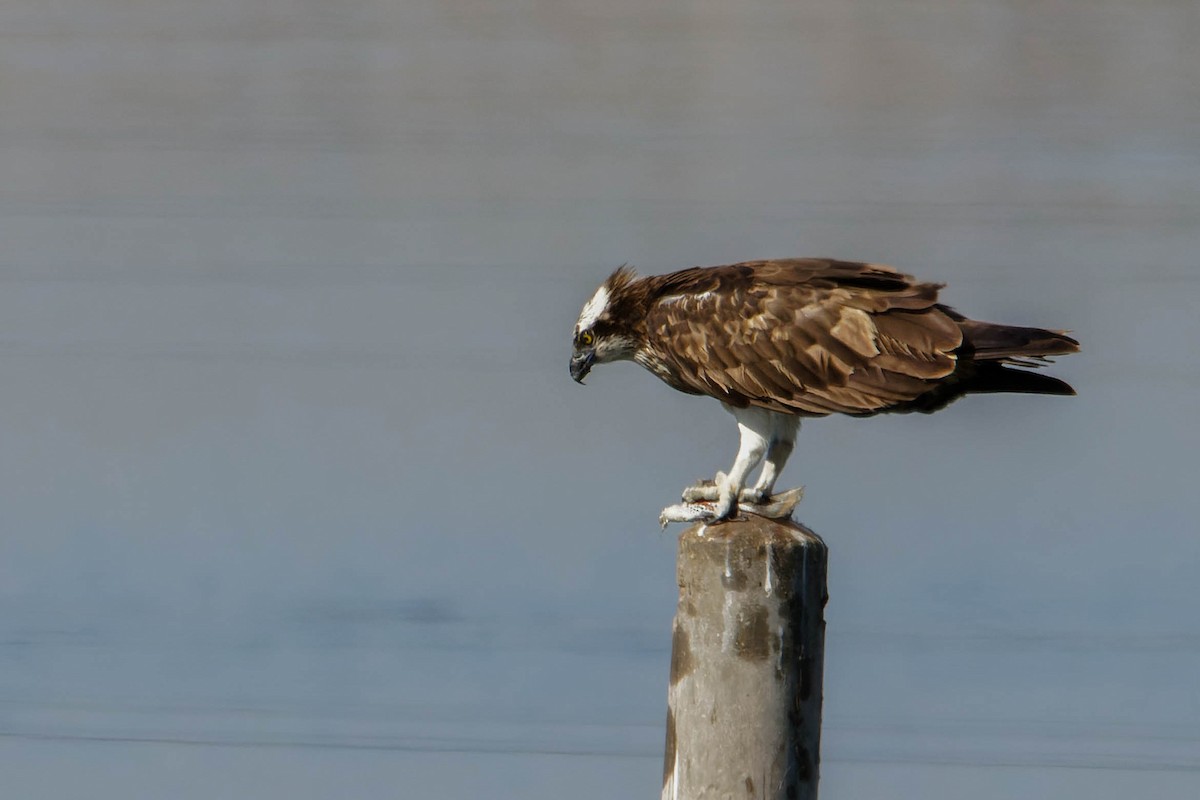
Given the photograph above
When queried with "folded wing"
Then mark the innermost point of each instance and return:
(804, 336)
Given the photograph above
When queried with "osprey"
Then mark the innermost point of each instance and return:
(776, 341)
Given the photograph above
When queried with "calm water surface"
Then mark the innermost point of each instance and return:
(296, 496)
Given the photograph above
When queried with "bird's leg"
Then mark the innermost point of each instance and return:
(777, 455)
(750, 451)
(784, 428)
(764, 433)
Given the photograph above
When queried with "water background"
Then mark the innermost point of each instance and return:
(297, 499)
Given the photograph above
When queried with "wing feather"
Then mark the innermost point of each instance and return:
(805, 336)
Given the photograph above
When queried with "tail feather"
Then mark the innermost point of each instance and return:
(998, 353)
(997, 358)
(987, 341)
(994, 377)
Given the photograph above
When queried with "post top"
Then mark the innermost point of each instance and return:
(747, 527)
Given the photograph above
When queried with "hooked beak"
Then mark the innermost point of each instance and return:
(581, 364)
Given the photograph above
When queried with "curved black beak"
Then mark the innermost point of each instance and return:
(581, 364)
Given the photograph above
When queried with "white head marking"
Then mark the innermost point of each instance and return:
(593, 309)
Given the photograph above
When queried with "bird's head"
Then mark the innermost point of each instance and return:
(607, 326)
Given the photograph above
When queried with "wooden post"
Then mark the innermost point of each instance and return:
(747, 656)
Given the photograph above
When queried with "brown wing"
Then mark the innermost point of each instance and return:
(804, 336)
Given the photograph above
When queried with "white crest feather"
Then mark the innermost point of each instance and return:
(593, 309)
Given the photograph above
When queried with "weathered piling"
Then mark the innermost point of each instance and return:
(747, 656)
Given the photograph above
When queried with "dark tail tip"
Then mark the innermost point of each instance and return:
(992, 377)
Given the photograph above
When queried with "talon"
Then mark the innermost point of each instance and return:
(753, 497)
(725, 511)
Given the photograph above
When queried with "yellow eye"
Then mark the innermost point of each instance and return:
(586, 338)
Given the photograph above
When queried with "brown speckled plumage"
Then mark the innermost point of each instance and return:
(817, 336)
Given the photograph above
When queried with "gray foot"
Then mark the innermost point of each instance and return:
(707, 494)
(703, 491)
(706, 491)
(777, 506)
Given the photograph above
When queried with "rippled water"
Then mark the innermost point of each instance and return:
(296, 495)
